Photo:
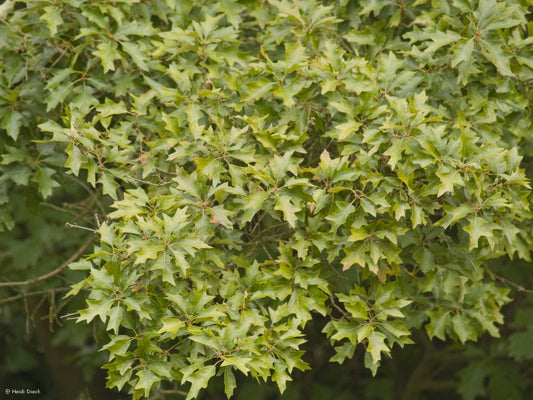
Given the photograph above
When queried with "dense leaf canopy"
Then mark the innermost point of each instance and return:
(270, 161)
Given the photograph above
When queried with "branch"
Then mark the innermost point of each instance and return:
(69, 225)
(61, 209)
(51, 273)
(37, 292)
(90, 192)
(174, 391)
(509, 283)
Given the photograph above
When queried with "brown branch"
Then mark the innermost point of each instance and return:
(61, 209)
(510, 283)
(69, 225)
(338, 308)
(172, 391)
(35, 293)
(90, 191)
(51, 273)
(88, 207)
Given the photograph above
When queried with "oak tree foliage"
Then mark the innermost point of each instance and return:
(269, 161)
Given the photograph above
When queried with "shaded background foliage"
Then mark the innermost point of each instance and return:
(342, 171)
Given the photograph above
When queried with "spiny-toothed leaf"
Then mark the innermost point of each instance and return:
(199, 380)
(230, 383)
(53, 19)
(147, 379)
(107, 53)
(289, 209)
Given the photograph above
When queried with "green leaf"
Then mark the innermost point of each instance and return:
(188, 184)
(58, 95)
(111, 108)
(472, 380)
(138, 56)
(115, 319)
(258, 89)
(339, 218)
(439, 322)
(107, 53)
(520, 344)
(462, 52)
(96, 308)
(103, 278)
(240, 362)
(106, 233)
(342, 352)
(52, 17)
(118, 380)
(11, 122)
(280, 165)
(118, 345)
(479, 227)
(354, 255)
(109, 185)
(441, 39)
(229, 382)
(161, 368)
(357, 307)
(147, 379)
(448, 179)
(6, 7)
(219, 215)
(376, 345)
(132, 304)
(462, 327)
(19, 174)
(395, 152)
(199, 380)
(453, 214)
(280, 375)
(368, 206)
(44, 179)
(497, 56)
(285, 204)
(252, 204)
(75, 158)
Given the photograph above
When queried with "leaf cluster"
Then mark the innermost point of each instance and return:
(270, 161)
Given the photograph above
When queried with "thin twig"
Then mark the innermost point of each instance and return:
(257, 223)
(335, 305)
(73, 315)
(508, 282)
(26, 294)
(86, 209)
(163, 183)
(266, 250)
(90, 191)
(51, 273)
(69, 225)
(61, 209)
(173, 391)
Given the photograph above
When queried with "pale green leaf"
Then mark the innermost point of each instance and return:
(53, 19)
(289, 209)
(229, 382)
(147, 379)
